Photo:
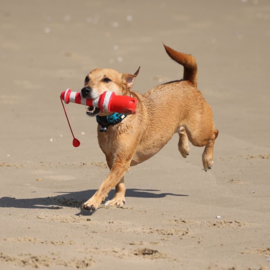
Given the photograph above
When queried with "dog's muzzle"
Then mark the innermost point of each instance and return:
(92, 111)
(86, 92)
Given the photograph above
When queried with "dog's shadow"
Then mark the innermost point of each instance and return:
(75, 199)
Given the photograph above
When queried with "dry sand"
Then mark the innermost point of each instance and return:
(170, 219)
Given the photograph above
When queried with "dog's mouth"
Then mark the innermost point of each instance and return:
(92, 111)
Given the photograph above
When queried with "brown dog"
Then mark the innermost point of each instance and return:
(140, 136)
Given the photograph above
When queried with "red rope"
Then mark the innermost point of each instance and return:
(75, 142)
(67, 118)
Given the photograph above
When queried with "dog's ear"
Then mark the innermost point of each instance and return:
(129, 78)
(137, 72)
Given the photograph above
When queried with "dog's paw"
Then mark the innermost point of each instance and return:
(184, 152)
(91, 205)
(118, 201)
(183, 149)
(207, 163)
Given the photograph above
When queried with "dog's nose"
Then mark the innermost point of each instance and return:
(85, 92)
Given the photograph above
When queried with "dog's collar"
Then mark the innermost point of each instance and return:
(110, 120)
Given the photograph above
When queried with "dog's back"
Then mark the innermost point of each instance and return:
(178, 99)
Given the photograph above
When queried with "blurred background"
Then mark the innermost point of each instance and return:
(48, 46)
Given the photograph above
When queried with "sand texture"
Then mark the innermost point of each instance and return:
(176, 215)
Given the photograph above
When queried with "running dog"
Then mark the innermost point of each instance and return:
(127, 140)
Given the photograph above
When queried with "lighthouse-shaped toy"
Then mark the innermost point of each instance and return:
(107, 102)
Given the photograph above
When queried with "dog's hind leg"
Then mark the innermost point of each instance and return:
(183, 146)
(207, 156)
(203, 134)
(119, 197)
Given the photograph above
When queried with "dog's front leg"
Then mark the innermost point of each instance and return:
(117, 173)
(119, 197)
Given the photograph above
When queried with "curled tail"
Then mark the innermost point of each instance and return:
(187, 61)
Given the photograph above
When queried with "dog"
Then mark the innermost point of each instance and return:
(137, 137)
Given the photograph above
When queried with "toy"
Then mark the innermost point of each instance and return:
(107, 102)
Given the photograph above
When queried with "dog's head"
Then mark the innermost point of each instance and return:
(99, 81)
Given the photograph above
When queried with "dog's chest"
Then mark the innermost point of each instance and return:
(105, 141)
(111, 141)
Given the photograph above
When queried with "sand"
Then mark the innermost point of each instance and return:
(177, 216)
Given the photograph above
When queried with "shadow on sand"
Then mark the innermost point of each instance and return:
(75, 199)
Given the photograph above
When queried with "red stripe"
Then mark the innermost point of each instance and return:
(89, 102)
(78, 98)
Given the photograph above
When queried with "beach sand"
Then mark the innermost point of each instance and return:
(176, 215)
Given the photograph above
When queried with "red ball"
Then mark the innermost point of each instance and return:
(76, 143)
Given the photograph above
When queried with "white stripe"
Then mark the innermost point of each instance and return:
(65, 95)
(106, 102)
(72, 97)
(83, 100)
(95, 102)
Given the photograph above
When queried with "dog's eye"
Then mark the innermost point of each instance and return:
(106, 80)
(86, 80)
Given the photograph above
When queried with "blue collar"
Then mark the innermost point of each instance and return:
(110, 120)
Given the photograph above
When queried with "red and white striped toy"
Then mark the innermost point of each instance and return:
(107, 102)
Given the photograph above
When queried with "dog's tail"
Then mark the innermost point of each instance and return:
(187, 61)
